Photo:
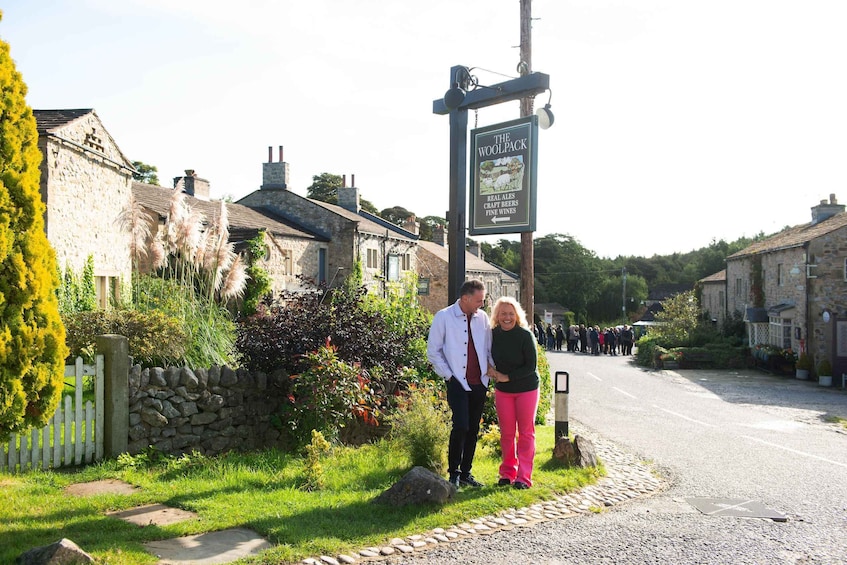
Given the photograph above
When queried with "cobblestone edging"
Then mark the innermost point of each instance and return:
(627, 478)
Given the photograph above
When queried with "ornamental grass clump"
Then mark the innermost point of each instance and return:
(421, 426)
(187, 269)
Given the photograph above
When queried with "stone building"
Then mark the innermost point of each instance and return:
(290, 249)
(792, 287)
(433, 262)
(386, 251)
(85, 184)
(713, 297)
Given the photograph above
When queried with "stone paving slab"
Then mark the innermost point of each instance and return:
(153, 515)
(205, 549)
(106, 486)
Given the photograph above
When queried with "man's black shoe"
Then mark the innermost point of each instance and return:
(454, 480)
(470, 481)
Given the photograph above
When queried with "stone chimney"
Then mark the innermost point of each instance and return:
(193, 185)
(826, 210)
(274, 175)
(412, 226)
(439, 235)
(348, 196)
(475, 249)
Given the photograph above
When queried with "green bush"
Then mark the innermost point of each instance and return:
(546, 385)
(383, 335)
(421, 426)
(327, 396)
(154, 338)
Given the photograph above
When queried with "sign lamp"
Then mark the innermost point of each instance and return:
(545, 114)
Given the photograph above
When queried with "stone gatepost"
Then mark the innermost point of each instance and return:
(115, 351)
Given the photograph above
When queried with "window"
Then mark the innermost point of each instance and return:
(107, 290)
(845, 269)
(406, 262)
(779, 279)
(394, 267)
(373, 259)
(321, 265)
(739, 288)
(780, 332)
(286, 262)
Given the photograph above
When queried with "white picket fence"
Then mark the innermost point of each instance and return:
(74, 435)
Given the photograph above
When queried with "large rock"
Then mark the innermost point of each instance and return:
(580, 453)
(63, 552)
(418, 486)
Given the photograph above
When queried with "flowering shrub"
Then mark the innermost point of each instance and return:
(673, 355)
(327, 396)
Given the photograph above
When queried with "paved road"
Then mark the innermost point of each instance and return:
(735, 435)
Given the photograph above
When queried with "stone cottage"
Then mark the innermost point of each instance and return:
(386, 251)
(290, 249)
(85, 184)
(792, 287)
(713, 297)
(433, 260)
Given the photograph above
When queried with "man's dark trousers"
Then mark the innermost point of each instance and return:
(467, 410)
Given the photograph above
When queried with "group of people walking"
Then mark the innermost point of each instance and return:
(616, 340)
(469, 351)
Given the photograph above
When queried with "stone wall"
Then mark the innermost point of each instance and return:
(827, 293)
(303, 255)
(177, 410)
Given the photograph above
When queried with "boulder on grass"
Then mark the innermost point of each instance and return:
(63, 552)
(418, 486)
(580, 453)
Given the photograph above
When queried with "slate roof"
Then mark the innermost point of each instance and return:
(472, 262)
(794, 237)
(242, 219)
(50, 120)
(665, 291)
(718, 277)
(368, 223)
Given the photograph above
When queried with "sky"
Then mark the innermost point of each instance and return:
(677, 122)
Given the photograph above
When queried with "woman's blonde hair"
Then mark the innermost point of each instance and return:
(519, 311)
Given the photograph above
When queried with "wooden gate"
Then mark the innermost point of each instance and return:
(74, 435)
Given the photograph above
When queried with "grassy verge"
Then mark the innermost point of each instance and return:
(261, 491)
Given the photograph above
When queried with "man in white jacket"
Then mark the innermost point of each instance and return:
(459, 348)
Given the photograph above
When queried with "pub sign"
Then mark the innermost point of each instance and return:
(504, 161)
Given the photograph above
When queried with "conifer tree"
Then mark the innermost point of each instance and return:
(32, 337)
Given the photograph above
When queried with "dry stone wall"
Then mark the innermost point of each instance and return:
(177, 410)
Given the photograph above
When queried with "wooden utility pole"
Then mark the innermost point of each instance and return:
(527, 251)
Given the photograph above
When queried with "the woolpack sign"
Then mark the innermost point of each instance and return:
(504, 161)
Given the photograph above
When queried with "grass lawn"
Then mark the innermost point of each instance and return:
(261, 491)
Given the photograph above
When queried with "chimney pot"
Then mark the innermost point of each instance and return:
(352, 180)
(270, 154)
(280, 153)
(344, 181)
(189, 172)
(832, 199)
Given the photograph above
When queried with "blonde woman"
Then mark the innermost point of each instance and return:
(514, 355)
